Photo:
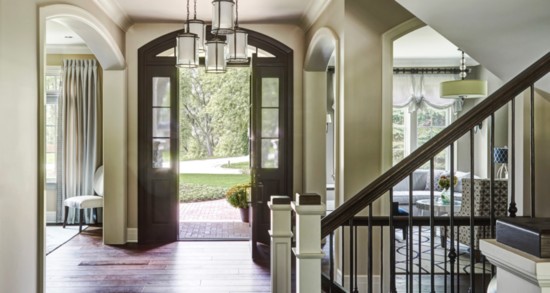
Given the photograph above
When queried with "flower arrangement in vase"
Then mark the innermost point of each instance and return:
(445, 183)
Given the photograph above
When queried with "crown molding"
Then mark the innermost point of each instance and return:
(312, 13)
(116, 13)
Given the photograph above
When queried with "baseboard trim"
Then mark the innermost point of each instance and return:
(132, 235)
(362, 281)
(51, 217)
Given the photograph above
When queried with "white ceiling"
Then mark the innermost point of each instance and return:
(423, 47)
(426, 47)
(250, 11)
(58, 34)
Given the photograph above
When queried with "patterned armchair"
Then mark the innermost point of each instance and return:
(482, 207)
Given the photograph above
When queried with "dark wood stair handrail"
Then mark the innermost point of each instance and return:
(437, 144)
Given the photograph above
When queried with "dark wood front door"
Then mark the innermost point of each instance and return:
(271, 135)
(157, 144)
(271, 141)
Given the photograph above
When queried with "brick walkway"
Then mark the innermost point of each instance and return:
(214, 219)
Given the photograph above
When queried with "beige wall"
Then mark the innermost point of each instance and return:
(140, 34)
(482, 137)
(19, 154)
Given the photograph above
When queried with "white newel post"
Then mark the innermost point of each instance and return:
(281, 244)
(308, 209)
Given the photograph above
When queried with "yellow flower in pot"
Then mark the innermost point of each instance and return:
(238, 197)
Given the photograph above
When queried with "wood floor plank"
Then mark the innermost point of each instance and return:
(84, 264)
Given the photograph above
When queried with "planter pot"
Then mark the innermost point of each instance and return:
(245, 214)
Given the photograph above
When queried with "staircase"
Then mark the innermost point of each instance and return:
(361, 250)
(366, 245)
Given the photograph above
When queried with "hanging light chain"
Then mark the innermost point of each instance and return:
(236, 13)
(195, 16)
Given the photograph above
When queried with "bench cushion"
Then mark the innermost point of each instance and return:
(84, 202)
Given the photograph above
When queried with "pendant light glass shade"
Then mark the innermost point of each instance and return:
(215, 61)
(465, 88)
(238, 46)
(197, 27)
(186, 51)
(222, 17)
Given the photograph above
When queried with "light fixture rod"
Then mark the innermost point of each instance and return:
(187, 16)
(195, 10)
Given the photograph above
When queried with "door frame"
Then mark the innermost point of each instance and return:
(147, 57)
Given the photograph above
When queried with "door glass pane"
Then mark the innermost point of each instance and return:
(270, 122)
(161, 153)
(161, 122)
(168, 53)
(161, 91)
(270, 92)
(270, 153)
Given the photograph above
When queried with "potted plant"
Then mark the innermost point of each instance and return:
(237, 196)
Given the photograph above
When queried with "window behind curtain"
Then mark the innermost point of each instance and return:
(411, 130)
(52, 86)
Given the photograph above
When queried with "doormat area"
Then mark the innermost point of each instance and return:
(214, 231)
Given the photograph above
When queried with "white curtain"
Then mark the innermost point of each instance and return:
(79, 135)
(415, 91)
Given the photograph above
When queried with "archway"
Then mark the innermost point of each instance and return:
(105, 48)
(157, 197)
(323, 52)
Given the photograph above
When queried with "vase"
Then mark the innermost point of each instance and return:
(445, 196)
(245, 214)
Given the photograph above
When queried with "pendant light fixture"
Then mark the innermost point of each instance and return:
(196, 26)
(237, 42)
(186, 47)
(222, 17)
(463, 88)
(215, 61)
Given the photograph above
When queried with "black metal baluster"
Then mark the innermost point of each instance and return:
(452, 250)
(533, 199)
(483, 279)
(392, 247)
(351, 251)
(513, 209)
(370, 271)
(492, 206)
(419, 258)
(381, 259)
(331, 257)
(445, 271)
(355, 259)
(411, 237)
(472, 171)
(432, 228)
(492, 187)
(458, 261)
(343, 257)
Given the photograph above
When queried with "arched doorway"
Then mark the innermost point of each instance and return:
(157, 194)
(102, 44)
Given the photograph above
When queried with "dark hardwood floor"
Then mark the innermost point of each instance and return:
(84, 264)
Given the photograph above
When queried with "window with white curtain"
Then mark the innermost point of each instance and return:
(419, 113)
(52, 87)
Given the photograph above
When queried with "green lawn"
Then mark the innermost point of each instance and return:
(218, 180)
(201, 187)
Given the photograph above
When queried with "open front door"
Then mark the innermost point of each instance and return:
(271, 141)
(158, 144)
